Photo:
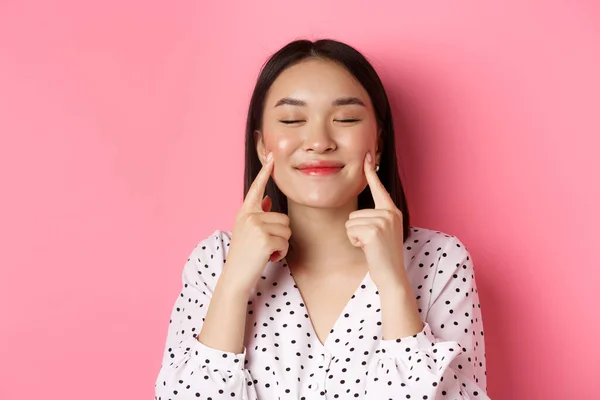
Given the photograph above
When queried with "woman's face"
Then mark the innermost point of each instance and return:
(319, 123)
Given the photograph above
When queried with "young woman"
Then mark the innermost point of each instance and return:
(323, 290)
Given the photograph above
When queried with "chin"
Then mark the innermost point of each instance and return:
(323, 195)
(322, 200)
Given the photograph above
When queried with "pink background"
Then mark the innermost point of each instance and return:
(122, 142)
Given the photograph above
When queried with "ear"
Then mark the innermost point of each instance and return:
(261, 150)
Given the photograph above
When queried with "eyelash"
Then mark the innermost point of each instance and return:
(295, 121)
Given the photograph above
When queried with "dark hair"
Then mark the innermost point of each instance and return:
(364, 73)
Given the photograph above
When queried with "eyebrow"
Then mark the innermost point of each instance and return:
(343, 101)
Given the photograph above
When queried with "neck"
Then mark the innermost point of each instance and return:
(319, 240)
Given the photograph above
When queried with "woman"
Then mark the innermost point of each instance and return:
(313, 295)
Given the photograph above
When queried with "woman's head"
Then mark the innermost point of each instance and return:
(321, 102)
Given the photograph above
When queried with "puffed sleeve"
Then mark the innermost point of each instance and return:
(446, 360)
(191, 370)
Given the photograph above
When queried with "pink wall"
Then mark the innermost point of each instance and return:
(122, 127)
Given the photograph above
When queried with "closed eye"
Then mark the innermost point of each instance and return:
(290, 121)
(347, 121)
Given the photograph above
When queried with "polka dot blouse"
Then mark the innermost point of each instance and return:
(284, 359)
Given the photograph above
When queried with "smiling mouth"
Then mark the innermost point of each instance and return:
(320, 171)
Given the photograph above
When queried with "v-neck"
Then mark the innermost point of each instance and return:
(338, 324)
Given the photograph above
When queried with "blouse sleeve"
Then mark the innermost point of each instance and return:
(191, 370)
(446, 360)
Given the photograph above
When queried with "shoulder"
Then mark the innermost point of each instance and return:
(216, 243)
(429, 240)
(438, 261)
(433, 249)
(208, 257)
(420, 235)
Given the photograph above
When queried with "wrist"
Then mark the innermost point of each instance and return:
(232, 283)
(400, 312)
(397, 288)
(397, 297)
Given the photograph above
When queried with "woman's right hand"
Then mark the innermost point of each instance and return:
(258, 234)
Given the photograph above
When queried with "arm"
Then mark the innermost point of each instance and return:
(191, 369)
(225, 321)
(446, 359)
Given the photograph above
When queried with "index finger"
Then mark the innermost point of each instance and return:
(257, 189)
(381, 197)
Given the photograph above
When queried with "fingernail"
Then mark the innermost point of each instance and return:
(369, 157)
(269, 156)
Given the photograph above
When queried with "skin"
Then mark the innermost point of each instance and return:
(316, 110)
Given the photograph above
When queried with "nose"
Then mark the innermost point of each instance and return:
(318, 140)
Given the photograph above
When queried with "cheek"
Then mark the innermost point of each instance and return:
(280, 144)
(358, 141)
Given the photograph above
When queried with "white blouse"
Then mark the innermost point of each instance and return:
(283, 358)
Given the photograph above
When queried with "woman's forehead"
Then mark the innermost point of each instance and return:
(315, 81)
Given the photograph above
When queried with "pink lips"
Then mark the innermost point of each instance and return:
(320, 168)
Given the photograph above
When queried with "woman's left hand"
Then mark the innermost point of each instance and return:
(379, 232)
